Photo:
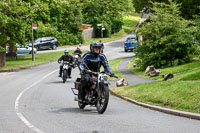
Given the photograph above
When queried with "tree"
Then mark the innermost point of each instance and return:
(187, 7)
(109, 13)
(11, 22)
(169, 39)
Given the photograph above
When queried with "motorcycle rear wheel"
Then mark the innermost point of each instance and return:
(102, 103)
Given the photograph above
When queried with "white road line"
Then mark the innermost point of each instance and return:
(6, 73)
(20, 115)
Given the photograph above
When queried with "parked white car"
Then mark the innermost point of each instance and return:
(22, 50)
(26, 50)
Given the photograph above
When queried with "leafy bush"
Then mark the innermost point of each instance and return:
(2, 49)
(168, 39)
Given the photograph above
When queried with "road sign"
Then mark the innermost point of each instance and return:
(99, 24)
(103, 28)
(34, 26)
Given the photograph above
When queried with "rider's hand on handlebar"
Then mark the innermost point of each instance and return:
(88, 71)
(111, 74)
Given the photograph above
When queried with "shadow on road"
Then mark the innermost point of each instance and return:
(59, 82)
(75, 110)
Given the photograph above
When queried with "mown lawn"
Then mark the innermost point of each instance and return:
(181, 92)
(24, 61)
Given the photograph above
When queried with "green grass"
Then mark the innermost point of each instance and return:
(114, 67)
(128, 26)
(24, 61)
(181, 92)
(181, 95)
(174, 70)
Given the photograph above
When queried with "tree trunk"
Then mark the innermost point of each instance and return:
(2, 59)
(12, 51)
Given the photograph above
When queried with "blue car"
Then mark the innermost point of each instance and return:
(130, 44)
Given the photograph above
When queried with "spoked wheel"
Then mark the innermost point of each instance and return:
(64, 76)
(102, 102)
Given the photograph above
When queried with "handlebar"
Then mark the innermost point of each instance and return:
(96, 73)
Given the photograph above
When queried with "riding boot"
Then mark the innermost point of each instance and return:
(69, 72)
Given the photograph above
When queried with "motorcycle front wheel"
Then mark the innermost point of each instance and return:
(81, 104)
(102, 101)
(64, 76)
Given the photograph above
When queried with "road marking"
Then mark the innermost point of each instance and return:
(20, 115)
(6, 73)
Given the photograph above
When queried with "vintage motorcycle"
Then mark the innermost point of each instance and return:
(65, 71)
(77, 59)
(97, 93)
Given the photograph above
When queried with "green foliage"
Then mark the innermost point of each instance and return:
(108, 13)
(168, 38)
(197, 23)
(188, 7)
(2, 49)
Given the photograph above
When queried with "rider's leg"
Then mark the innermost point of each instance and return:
(83, 85)
(60, 72)
(69, 72)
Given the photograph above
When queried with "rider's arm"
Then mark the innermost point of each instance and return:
(105, 63)
(60, 59)
(86, 57)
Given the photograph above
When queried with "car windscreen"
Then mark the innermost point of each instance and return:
(38, 40)
(131, 39)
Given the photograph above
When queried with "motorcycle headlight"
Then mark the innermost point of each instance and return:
(105, 77)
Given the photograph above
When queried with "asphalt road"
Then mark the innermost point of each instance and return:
(36, 100)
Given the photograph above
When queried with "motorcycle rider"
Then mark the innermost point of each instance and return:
(78, 51)
(92, 61)
(102, 46)
(66, 57)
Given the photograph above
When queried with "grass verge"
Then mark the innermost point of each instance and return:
(25, 61)
(181, 93)
(114, 68)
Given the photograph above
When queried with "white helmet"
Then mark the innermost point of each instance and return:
(66, 51)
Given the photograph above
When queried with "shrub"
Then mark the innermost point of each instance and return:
(168, 38)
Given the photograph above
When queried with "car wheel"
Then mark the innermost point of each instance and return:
(126, 50)
(54, 47)
(37, 48)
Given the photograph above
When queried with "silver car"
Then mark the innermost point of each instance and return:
(26, 50)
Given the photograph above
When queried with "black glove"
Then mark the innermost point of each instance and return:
(111, 74)
(88, 71)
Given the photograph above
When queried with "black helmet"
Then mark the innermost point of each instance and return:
(95, 45)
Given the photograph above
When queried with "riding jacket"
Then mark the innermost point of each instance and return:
(68, 58)
(93, 62)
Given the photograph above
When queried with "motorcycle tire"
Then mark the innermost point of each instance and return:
(102, 103)
(81, 105)
(64, 76)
